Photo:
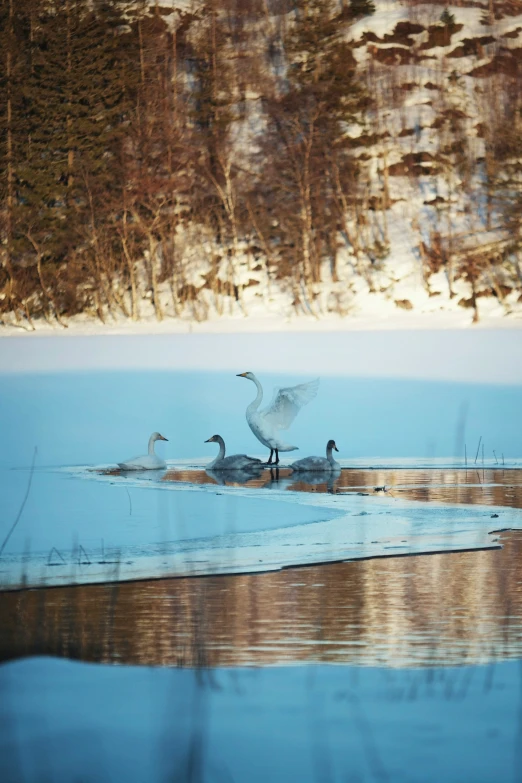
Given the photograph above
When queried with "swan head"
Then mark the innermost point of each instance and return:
(214, 439)
(331, 445)
(249, 375)
(156, 436)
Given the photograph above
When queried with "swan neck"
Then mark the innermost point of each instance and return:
(152, 441)
(329, 455)
(254, 405)
(221, 454)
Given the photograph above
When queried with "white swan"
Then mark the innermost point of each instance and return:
(235, 462)
(284, 407)
(149, 461)
(324, 464)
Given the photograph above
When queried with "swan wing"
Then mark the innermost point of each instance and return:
(287, 402)
(312, 463)
(147, 462)
(238, 462)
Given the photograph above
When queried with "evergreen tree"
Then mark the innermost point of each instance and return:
(447, 18)
(360, 8)
(14, 71)
(305, 138)
(77, 102)
(69, 113)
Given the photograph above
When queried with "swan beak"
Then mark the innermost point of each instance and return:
(162, 438)
(209, 440)
(241, 375)
(335, 447)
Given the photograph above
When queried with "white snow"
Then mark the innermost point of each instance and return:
(348, 303)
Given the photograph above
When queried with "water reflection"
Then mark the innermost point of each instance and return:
(404, 611)
(497, 487)
(319, 480)
(234, 477)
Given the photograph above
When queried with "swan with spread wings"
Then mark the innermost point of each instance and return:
(284, 407)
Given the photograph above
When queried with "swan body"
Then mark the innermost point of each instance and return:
(323, 464)
(234, 462)
(149, 461)
(284, 407)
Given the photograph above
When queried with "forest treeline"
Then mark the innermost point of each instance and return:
(145, 150)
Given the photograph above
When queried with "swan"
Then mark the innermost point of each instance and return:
(149, 461)
(235, 462)
(325, 464)
(284, 407)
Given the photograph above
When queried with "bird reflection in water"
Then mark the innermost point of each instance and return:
(140, 475)
(235, 476)
(260, 478)
(316, 478)
(302, 481)
(276, 478)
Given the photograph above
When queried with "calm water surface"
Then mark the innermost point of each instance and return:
(404, 611)
(490, 486)
(427, 684)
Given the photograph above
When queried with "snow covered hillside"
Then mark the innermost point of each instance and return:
(354, 164)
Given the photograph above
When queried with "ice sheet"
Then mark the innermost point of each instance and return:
(477, 356)
(137, 527)
(392, 394)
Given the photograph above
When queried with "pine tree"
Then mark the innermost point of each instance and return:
(360, 8)
(76, 101)
(14, 70)
(305, 139)
(447, 18)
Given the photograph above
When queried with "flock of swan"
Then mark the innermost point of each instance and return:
(266, 425)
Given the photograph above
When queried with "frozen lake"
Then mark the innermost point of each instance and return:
(412, 663)
(81, 525)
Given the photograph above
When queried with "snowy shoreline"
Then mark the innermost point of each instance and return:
(400, 320)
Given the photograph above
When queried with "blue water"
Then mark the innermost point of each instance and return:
(64, 510)
(102, 417)
(65, 721)
(105, 417)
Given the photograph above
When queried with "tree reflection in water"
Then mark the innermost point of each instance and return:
(403, 611)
